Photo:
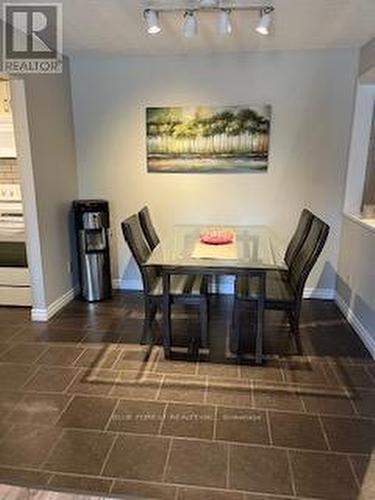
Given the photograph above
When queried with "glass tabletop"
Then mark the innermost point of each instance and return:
(253, 247)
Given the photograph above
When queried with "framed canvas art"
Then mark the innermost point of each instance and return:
(208, 139)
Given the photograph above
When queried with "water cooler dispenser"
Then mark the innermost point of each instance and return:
(92, 226)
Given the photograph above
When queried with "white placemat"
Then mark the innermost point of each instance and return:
(220, 252)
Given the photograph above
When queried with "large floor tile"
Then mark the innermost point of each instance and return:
(13, 376)
(27, 445)
(81, 484)
(364, 469)
(80, 452)
(197, 462)
(136, 385)
(354, 375)
(98, 357)
(137, 357)
(323, 475)
(305, 372)
(49, 333)
(270, 371)
(183, 388)
(196, 421)
(50, 379)
(8, 401)
(87, 412)
(93, 382)
(258, 469)
(241, 425)
(24, 477)
(364, 402)
(143, 417)
(39, 408)
(22, 353)
(222, 370)
(326, 400)
(172, 367)
(138, 489)
(227, 392)
(277, 397)
(294, 430)
(138, 457)
(350, 435)
(9, 332)
(60, 355)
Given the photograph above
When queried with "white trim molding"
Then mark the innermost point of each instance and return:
(319, 293)
(356, 324)
(47, 313)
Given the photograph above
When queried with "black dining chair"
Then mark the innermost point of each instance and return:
(283, 292)
(183, 289)
(299, 236)
(148, 228)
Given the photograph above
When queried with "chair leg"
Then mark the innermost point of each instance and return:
(294, 324)
(259, 334)
(147, 322)
(236, 328)
(204, 340)
(166, 327)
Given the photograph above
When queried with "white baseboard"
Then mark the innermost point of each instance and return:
(226, 288)
(356, 324)
(319, 293)
(47, 313)
(127, 284)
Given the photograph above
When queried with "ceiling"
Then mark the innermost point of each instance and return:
(117, 27)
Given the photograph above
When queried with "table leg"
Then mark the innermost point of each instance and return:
(166, 324)
(260, 319)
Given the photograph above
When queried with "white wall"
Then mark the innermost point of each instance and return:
(367, 57)
(50, 159)
(356, 279)
(355, 288)
(311, 93)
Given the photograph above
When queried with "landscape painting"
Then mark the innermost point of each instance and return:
(208, 139)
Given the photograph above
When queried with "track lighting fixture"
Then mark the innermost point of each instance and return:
(263, 26)
(190, 27)
(224, 26)
(152, 21)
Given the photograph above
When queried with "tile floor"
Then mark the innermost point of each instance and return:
(85, 408)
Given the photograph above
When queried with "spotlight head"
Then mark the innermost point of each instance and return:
(152, 21)
(263, 26)
(190, 27)
(224, 24)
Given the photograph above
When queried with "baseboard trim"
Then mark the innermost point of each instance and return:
(319, 293)
(225, 287)
(45, 314)
(125, 284)
(356, 324)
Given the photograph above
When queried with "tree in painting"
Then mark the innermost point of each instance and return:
(202, 139)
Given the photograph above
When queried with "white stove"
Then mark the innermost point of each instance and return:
(14, 281)
(12, 225)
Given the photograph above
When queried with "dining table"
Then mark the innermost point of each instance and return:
(253, 251)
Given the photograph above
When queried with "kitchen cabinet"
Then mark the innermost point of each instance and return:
(7, 140)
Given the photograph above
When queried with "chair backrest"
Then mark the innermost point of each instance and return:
(299, 236)
(305, 259)
(148, 228)
(139, 248)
